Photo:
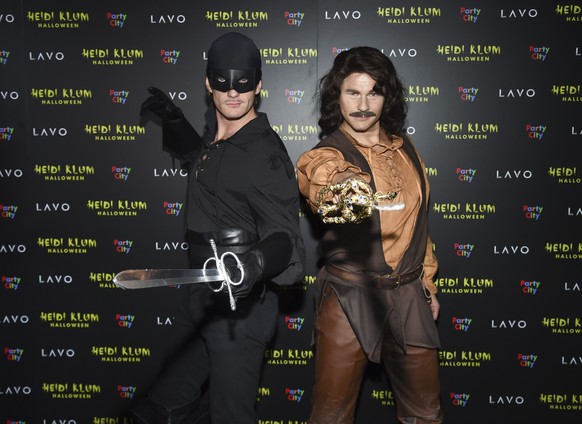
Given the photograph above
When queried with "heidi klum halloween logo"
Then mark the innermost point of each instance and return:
(468, 52)
(463, 358)
(236, 18)
(384, 397)
(464, 211)
(409, 15)
(288, 356)
(66, 245)
(571, 250)
(62, 19)
(71, 390)
(120, 353)
(562, 401)
(67, 172)
(563, 325)
(119, 207)
(288, 55)
(114, 132)
(69, 319)
(464, 285)
(466, 131)
(112, 56)
(61, 96)
(569, 12)
(421, 93)
(103, 279)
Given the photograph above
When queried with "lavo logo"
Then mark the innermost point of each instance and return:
(9, 95)
(510, 323)
(6, 173)
(506, 400)
(15, 390)
(45, 132)
(42, 56)
(343, 14)
(510, 250)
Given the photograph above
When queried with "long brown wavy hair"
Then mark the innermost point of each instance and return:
(373, 62)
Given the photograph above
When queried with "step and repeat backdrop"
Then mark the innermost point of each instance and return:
(495, 102)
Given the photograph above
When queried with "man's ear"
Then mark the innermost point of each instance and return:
(208, 85)
(259, 87)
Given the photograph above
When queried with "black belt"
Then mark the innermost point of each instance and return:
(373, 280)
(237, 241)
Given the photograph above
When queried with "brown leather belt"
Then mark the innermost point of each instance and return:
(373, 280)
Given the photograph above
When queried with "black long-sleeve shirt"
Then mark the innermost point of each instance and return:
(245, 182)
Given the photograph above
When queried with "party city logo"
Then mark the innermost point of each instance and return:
(170, 57)
(461, 324)
(288, 356)
(409, 15)
(294, 395)
(103, 279)
(385, 397)
(288, 55)
(236, 18)
(120, 207)
(294, 323)
(6, 133)
(538, 53)
(8, 211)
(467, 94)
(468, 131)
(464, 212)
(469, 14)
(459, 399)
(535, 131)
(114, 132)
(71, 390)
(61, 96)
(116, 20)
(4, 54)
(532, 212)
(296, 132)
(562, 401)
(119, 97)
(112, 56)
(69, 245)
(565, 250)
(13, 354)
(121, 354)
(464, 285)
(294, 96)
(529, 287)
(570, 12)
(468, 52)
(294, 18)
(568, 93)
(527, 360)
(563, 325)
(173, 208)
(67, 172)
(463, 250)
(120, 173)
(10, 282)
(465, 175)
(124, 321)
(69, 319)
(564, 175)
(123, 246)
(126, 392)
(421, 94)
(63, 19)
(463, 358)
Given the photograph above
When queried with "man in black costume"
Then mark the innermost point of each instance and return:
(242, 194)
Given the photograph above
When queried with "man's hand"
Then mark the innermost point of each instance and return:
(435, 306)
(160, 105)
(253, 265)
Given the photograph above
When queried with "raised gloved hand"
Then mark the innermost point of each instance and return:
(265, 259)
(160, 105)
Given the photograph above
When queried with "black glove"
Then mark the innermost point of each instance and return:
(265, 259)
(160, 105)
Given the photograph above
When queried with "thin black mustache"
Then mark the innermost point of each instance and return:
(363, 114)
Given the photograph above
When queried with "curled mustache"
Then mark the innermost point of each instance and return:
(363, 114)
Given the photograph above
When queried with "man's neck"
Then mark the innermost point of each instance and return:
(226, 128)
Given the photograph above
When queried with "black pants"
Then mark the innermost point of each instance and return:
(226, 352)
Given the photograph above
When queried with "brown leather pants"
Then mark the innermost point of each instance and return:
(339, 368)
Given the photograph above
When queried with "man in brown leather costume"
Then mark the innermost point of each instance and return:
(377, 300)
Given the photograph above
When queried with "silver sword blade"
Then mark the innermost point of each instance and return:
(146, 278)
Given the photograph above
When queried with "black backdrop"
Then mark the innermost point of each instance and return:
(495, 95)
